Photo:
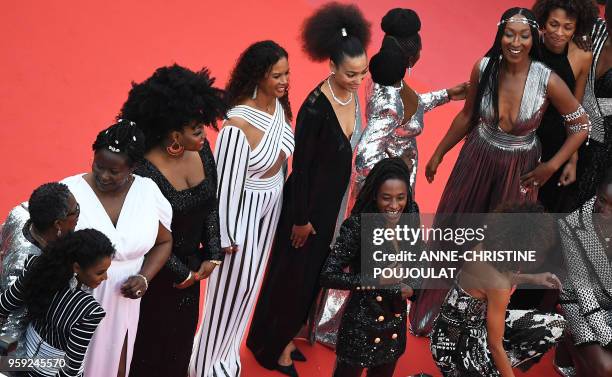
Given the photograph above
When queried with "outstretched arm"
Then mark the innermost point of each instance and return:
(458, 129)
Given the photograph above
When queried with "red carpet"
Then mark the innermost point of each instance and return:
(66, 69)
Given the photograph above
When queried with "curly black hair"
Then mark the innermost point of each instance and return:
(530, 228)
(489, 79)
(53, 269)
(251, 68)
(322, 33)
(48, 203)
(123, 137)
(584, 11)
(172, 98)
(389, 168)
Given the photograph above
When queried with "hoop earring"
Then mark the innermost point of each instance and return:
(254, 93)
(175, 149)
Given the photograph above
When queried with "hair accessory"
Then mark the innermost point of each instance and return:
(117, 142)
(113, 149)
(344, 33)
(519, 20)
(134, 138)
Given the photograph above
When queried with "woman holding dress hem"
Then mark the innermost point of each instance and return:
(134, 215)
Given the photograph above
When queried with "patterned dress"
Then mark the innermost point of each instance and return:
(459, 337)
(249, 208)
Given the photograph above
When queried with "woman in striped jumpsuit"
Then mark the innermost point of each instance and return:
(251, 150)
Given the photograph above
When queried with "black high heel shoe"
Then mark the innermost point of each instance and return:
(288, 370)
(297, 355)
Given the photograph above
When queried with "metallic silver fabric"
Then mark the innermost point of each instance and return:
(385, 135)
(592, 104)
(329, 311)
(14, 250)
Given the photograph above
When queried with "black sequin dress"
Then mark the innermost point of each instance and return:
(552, 134)
(168, 316)
(459, 336)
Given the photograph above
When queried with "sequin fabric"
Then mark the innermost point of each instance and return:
(585, 298)
(15, 248)
(386, 135)
(195, 218)
(373, 326)
(459, 336)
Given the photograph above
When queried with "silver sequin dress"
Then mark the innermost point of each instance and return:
(386, 135)
(15, 248)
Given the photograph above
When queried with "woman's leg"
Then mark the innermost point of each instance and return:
(594, 361)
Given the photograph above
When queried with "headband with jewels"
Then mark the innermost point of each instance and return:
(521, 20)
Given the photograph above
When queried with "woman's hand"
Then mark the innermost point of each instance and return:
(188, 282)
(432, 167)
(134, 287)
(545, 279)
(407, 292)
(458, 92)
(206, 268)
(230, 249)
(300, 233)
(538, 176)
(568, 175)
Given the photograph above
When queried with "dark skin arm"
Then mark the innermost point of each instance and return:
(153, 262)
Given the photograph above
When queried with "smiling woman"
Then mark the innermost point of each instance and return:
(499, 161)
(327, 130)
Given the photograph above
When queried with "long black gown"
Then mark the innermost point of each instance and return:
(168, 316)
(313, 193)
(556, 199)
(552, 135)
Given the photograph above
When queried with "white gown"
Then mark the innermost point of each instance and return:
(143, 210)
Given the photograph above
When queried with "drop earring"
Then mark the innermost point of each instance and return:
(59, 233)
(409, 71)
(254, 96)
(73, 282)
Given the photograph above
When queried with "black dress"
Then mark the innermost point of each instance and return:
(313, 193)
(168, 316)
(596, 156)
(552, 135)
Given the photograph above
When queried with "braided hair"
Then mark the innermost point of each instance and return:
(52, 270)
(172, 98)
(334, 32)
(48, 203)
(252, 67)
(123, 137)
(401, 42)
(389, 168)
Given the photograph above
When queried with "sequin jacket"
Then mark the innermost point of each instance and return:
(195, 218)
(15, 248)
(373, 327)
(586, 298)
